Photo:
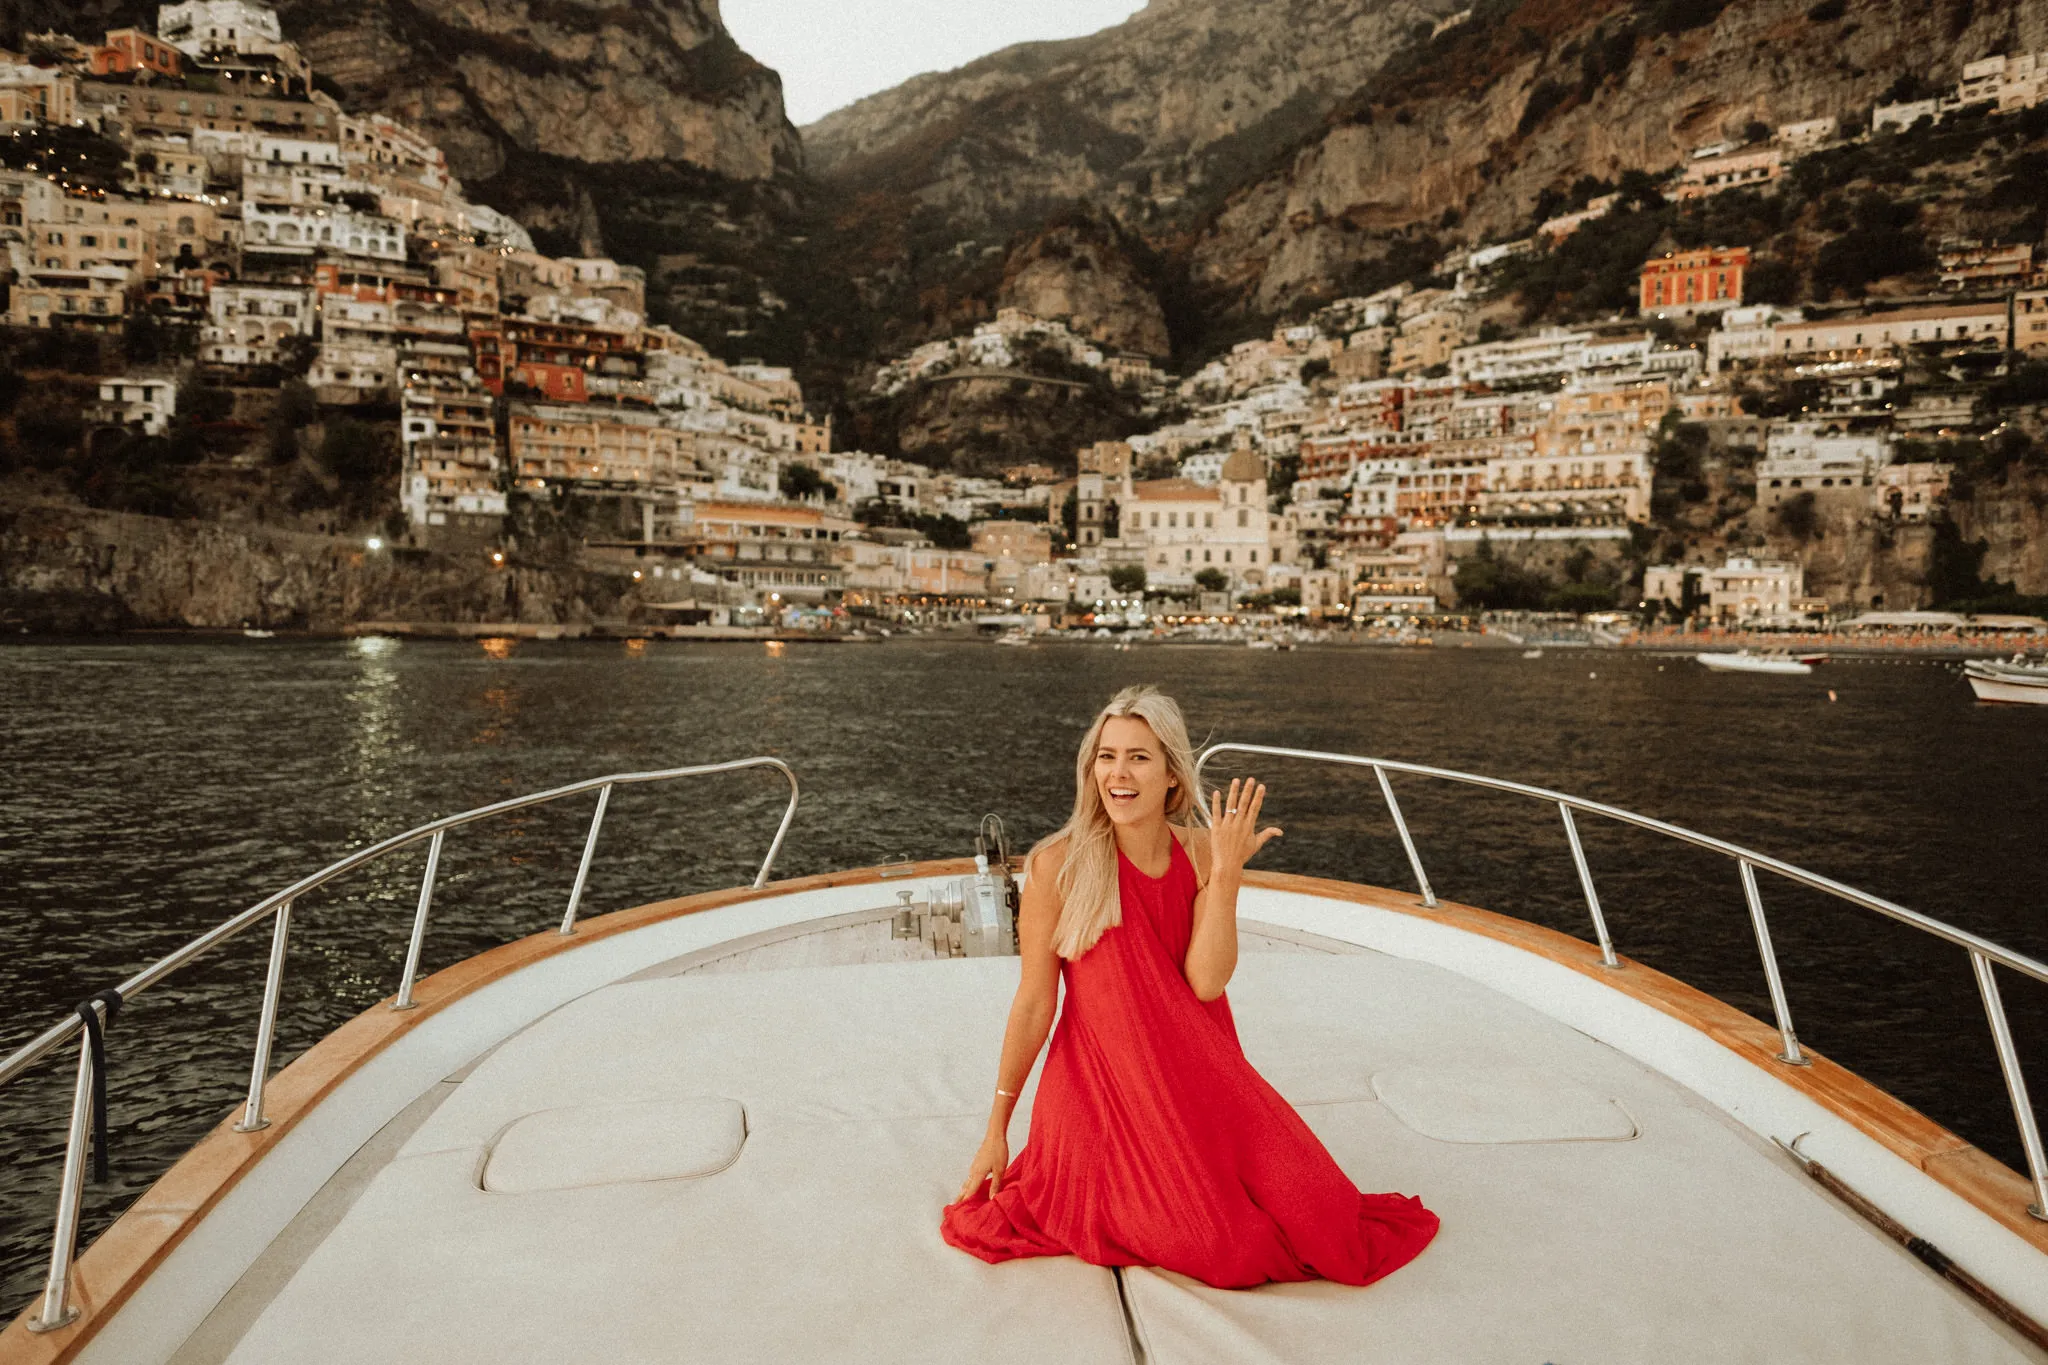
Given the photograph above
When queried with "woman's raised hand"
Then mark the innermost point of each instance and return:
(1234, 833)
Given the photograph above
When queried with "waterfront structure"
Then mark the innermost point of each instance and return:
(1742, 591)
(1176, 528)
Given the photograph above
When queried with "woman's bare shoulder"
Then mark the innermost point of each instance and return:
(1195, 839)
(1049, 857)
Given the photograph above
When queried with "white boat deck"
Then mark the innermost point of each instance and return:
(744, 1160)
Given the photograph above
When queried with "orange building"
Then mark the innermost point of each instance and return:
(1694, 281)
(130, 49)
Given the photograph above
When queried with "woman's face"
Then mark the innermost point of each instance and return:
(1130, 771)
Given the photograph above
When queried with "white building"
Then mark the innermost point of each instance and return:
(248, 322)
(1177, 528)
(1743, 591)
(1806, 457)
(1808, 134)
(1747, 335)
(322, 227)
(197, 27)
(1548, 357)
(145, 402)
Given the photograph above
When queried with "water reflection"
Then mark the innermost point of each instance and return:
(499, 706)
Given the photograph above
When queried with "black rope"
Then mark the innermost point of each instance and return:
(111, 999)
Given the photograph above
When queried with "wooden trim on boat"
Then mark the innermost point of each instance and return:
(139, 1241)
(130, 1251)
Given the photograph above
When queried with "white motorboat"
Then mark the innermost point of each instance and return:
(1744, 661)
(2018, 681)
(1014, 638)
(1532, 653)
(721, 1128)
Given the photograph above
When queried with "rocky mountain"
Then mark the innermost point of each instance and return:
(1085, 267)
(1144, 117)
(940, 182)
(1463, 133)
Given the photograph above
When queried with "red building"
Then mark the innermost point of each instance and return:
(1707, 279)
(130, 49)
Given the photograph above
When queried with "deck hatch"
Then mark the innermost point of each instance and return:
(1500, 1105)
(586, 1145)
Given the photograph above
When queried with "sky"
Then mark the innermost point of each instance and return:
(832, 52)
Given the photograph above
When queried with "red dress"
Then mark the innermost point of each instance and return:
(1154, 1142)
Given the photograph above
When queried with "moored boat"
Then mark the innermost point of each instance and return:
(1744, 661)
(721, 1127)
(2016, 682)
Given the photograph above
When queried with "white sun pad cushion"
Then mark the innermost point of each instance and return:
(1500, 1104)
(615, 1144)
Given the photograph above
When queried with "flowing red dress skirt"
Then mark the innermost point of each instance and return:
(1154, 1142)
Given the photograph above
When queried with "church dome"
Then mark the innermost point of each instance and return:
(1243, 467)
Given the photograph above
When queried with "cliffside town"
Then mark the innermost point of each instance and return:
(271, 361)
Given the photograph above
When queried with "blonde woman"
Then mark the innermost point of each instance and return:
(1153, 1141)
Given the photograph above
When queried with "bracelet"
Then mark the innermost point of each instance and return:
(1006, 1094)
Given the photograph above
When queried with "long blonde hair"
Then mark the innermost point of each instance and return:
(1087, 881)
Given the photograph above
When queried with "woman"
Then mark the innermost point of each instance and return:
(1153, 1141)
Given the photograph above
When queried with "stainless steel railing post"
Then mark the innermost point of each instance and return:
(1401, 827)
(604, 798)
(2015, 1082)
(266, 1022)
(1792, 1055)
(57, 1309)
(788, 814)
(1571, 832)
(419, 924)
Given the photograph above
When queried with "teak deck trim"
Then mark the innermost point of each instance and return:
(146, 1234)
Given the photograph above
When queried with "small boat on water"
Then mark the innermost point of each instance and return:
(1014, 638)
(720, 1128)
(1532, 653)
(2018, 681)
(1746, 661)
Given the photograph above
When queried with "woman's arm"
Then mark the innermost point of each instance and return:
(1031, 1012)
(1233, 837)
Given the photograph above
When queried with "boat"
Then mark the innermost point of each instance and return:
(1532, 653)
(1744, 661)
(2018, 681)
(1014, 638)
(251, 633)
(720, 1128)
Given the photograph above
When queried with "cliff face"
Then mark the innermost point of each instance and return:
(1469, 128)
(1085, 270)
(1141, 115)
(1150, 121)
(577, 80)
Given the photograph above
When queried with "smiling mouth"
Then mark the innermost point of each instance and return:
(1125, 794)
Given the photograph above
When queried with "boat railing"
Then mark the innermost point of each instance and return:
(56, 1310)
(1984, 954)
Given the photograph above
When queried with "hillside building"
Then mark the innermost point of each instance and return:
(1681, 283)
